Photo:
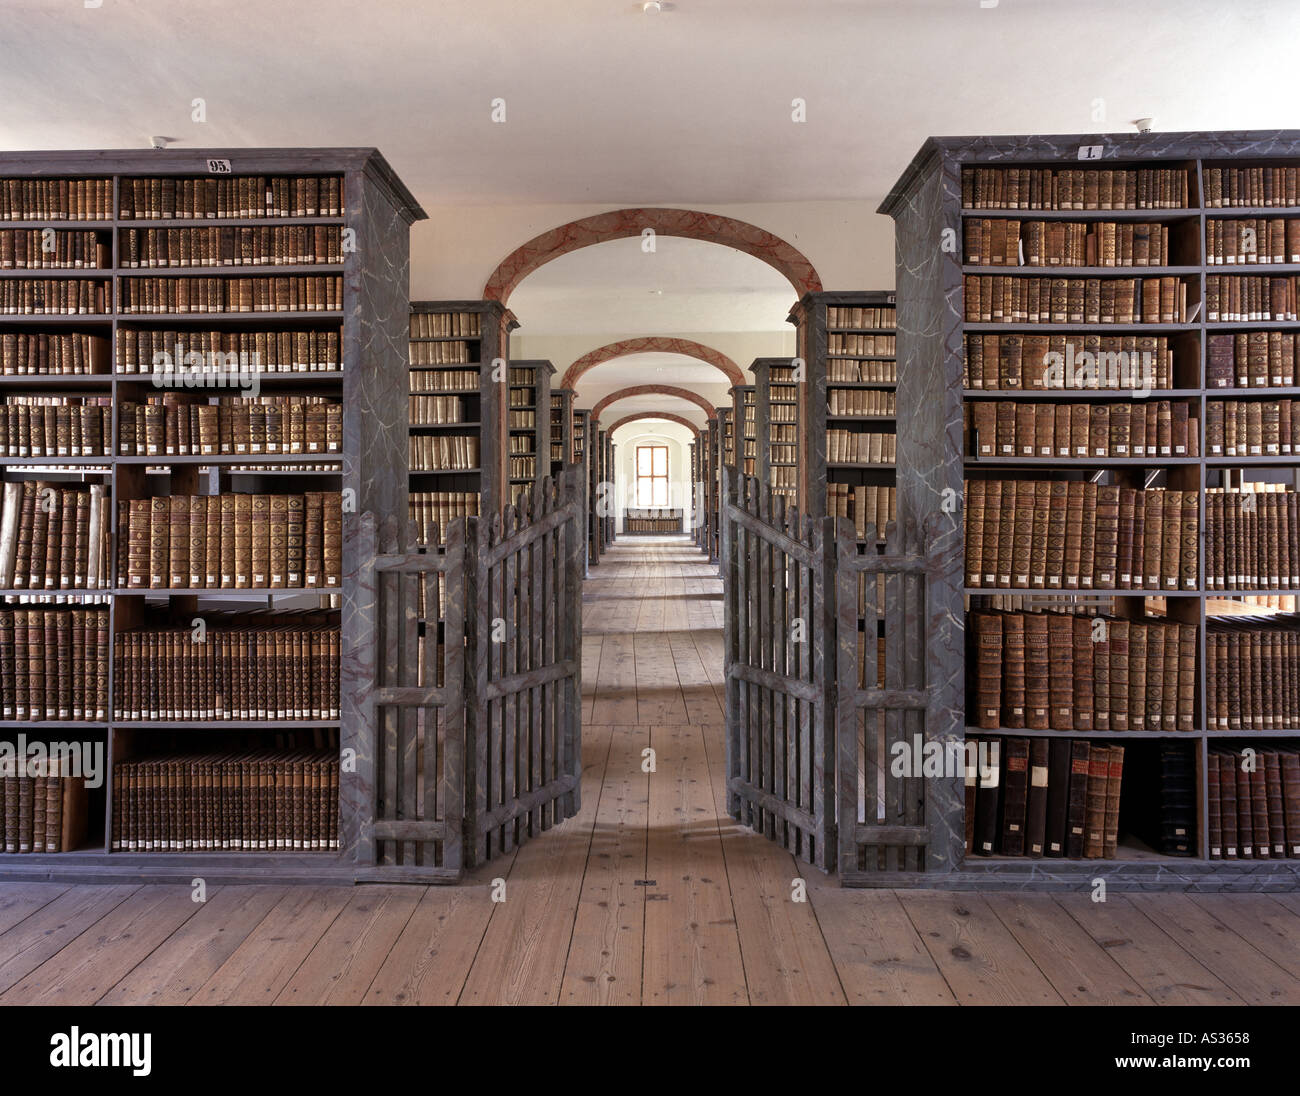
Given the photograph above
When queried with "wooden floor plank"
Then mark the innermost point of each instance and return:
(181, 964)
(980, 960)
(19, 901)
(47, 931)
(1268, 925)
(615, 697)
(105, 952)
(270, 955)
(603, 966)
(658, 690)
(1081, 971)
(1247, 971)
(692, 944)
(340, 968)
(521, 960)
(1168, 974)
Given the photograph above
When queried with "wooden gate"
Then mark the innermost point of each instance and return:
(779, 621)
(524, 731)
(469, 684)
(883, 704)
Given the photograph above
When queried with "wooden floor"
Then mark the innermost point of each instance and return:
(651, 895)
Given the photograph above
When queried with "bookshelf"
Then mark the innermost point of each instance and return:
(777, 391)
(609, 522)
(846, 418)
(246, 365)
(582, 456)
(600, 480)
(561, 443)
(712, 487)
(456, 411)
(529, 446)
(1142, 280)
(744, 418)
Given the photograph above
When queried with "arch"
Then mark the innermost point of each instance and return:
(621, 224)
(654, 389)
(636, 416)
(649, 344)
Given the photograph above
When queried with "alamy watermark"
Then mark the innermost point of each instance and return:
(181, 368)
(79, 760)
(1103, 369)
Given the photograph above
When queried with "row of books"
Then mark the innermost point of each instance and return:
(1236, 298)
(861, 316)
(435, 325)
(1252, 537)
(1085, 361)
(784, 477)
(783, 454)
(999, 242)
(54, 297)
(1252, 240)
(652, 525)
(1251, 359)
(54, 664)
(43, 812)
(53, 537)
(522, 420)
(1041, 798)
(1019, 187)
(233, 425)
(1002, 298)
(1078, 430)
(439, 452)
(1252, 677)
(227, 673)
(523, 467)
(255, 800)
(181, 295)
(863, 504)
(1260, 186)
(1252, 428)
(239, 541)
(1072, 535)
(56, 199)
(162, 197)
(847, 371)
(850, 447)
(56, 426)
(1071, 671)
(459, 380)
(142, 351)
(426, 410)
(521, 444)
(784, 412)
(36, 249)
(433, 511)
(262, 245)
(864, 345)
(443, 353)
(1254, 804)
(47, 353)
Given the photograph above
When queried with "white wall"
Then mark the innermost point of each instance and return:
(677, 438)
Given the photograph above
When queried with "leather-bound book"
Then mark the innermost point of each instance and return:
(1080, 423)
(1245, 810)
(1124, 539)
(1214, 819)
(1060, 680)
(1058, 796)
(243, 541)
(1006, 537)
(1013, 670)
(1077, 804)
(1044, 436)
(1106, 535)
(1038, 544)
(1114, 780)
(1099, 430)
(1062, 430)
(1189, 542)
(1186, 675)
(1083, 685)
(1036, 813)
(971, 788)
(1170, 549)
(159, 541)
(1275, 812)
(1025, 428)
(986, 798)
(313, 533)
(332, 538)
(1094, 843)
(1118, 632)
(1289, 760)
(984, 421)
(1137, 672)
(1152, 700)
(1037, 696)
(1260, 829)
(988, 686)
(1072, 524)
(975, 493)
(259, 541)
(1015, 795)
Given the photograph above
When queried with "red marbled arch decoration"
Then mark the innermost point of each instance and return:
(649, 344)
(638, 416)
(654, 389)
(621, 224)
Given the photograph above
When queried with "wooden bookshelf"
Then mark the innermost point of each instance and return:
(582, 457)
(713, 487)
(529, 447)
(744, 418)
(942, 329)
(778, 404)
(561, 443)
(317, 322)
(609, 524)
(457, 365)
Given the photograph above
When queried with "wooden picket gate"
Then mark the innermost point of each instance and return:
(469, 685)
(814, 717)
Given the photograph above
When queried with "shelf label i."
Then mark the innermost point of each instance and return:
(1090, 152)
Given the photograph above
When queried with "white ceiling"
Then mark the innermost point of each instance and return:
(653, 369)
(684, 287)
(606, 104)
